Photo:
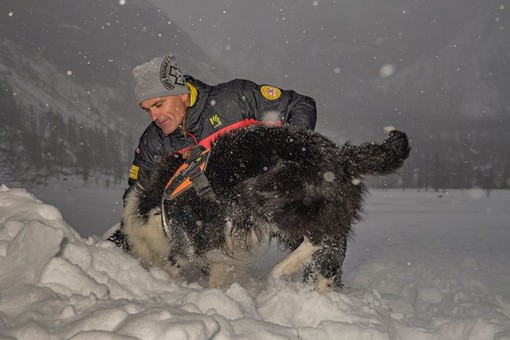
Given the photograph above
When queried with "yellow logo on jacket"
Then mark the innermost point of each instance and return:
(215, 121)
(270, 92)
(133, 173)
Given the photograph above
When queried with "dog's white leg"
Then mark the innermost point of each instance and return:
(224, 270)
(221, 275)
(295, 260)
(324, 285)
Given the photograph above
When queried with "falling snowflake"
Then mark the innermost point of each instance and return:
(329, 176)
(387, 70)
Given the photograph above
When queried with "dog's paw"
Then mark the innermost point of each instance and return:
(324, 285)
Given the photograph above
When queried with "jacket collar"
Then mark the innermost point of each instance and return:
(199, 94)
(193, 94)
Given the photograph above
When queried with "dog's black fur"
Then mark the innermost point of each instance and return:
(269, 182)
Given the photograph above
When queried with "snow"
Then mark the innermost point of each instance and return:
(423, 265)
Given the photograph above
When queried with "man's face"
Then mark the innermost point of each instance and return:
(167, 112)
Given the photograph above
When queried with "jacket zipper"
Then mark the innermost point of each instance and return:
(183, 129)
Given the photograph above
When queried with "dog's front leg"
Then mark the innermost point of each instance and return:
(295, 260)
(325, 271)
(224, 269)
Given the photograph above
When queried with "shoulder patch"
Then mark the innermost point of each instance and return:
(270, 92)
(133, 173)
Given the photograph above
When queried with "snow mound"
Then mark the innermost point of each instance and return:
(56, 285)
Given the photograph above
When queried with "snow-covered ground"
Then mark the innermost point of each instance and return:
(422, 266)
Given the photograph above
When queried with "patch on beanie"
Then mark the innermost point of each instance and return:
(169, 74)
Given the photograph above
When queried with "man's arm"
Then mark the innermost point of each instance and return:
(264, 102)
(146, 155)
(301, 111)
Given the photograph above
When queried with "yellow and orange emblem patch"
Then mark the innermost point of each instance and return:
(270, 92)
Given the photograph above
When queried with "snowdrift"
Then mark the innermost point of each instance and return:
(56, 285)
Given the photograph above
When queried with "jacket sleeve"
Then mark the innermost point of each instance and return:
(301, 111)
(263, 102)
(146, 156)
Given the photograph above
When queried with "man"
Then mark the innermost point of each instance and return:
(185, 111)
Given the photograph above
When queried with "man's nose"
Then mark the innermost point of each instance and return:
(153, 114)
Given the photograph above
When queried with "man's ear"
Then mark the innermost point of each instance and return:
(184, 97)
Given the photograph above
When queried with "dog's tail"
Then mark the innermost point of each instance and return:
(376, 159)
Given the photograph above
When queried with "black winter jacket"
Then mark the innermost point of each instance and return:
(213, 108)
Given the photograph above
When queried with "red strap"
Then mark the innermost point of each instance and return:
(207, 141)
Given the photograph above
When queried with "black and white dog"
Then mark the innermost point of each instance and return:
(266, 182)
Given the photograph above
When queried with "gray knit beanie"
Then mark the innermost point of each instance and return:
(159, 77)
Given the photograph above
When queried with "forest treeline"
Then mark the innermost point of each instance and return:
(40, 145)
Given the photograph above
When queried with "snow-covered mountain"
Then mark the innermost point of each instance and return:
(71, 61)
(36, 85)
